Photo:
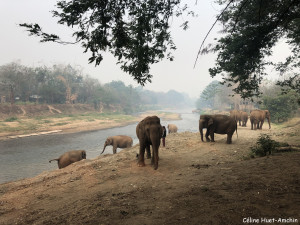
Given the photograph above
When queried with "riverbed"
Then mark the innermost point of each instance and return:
(29, 156)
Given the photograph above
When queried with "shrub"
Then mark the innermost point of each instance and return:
(11, 119)
(264, 145)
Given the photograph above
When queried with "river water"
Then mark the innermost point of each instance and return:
(29, 156)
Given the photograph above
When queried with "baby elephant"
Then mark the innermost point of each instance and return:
(69, 158)
(172, 128)
(119, 141)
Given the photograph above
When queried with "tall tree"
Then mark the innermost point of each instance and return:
(137, 33)
(251, 29)
(208, 95)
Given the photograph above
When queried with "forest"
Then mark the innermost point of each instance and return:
(66, 84)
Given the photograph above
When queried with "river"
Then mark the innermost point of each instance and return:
(29, 156)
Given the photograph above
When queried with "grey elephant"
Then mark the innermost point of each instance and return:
(69, 157)
(119, 141)
(149, 132)
(236, 114)
(244, 118)
(257, 118)
(219, 124)
(172, 128)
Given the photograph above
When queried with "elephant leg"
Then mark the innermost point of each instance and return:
(212, 136)
(229, 138)
(206, 135)
(251, 125)
(141, 160)
(114, 149)
(148, 152)
(261, 124)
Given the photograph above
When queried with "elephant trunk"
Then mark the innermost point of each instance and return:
(155, 148)
(155, 140)
(103, 148)
(269, 121)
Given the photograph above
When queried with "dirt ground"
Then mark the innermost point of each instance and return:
(196, 183)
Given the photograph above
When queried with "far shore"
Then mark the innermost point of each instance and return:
(64, 124)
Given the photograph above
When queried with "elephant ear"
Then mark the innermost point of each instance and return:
(210, 122)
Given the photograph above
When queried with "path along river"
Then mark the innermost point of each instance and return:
(29, 156)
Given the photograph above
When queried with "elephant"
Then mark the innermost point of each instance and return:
(149, 132)
(257, 118)
(219, 124)
(254, 122)
(236, 114)
(69, 157)
(244, 118)
(172, 128)
(119, 141)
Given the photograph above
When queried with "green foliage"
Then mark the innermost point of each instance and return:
(281, 106)
(137, 33)
(264, 145)
(208, 95)
(215, 96)
(11, 119)
(251, 30)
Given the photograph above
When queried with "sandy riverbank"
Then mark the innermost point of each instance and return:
(69, 124)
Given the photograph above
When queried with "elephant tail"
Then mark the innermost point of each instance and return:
(236, 131)
(53, 160)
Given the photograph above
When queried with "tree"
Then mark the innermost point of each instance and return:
(251, 29)
(19, 80)
(208, 95)
(135, 32)
(281, 106)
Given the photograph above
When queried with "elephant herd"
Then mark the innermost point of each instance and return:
(149, 132)
(257, 118)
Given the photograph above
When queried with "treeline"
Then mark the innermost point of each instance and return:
(61, 84)
(281, 103)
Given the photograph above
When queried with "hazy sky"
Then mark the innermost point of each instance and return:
(178, 75)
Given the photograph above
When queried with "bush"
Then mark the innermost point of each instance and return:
(264, 145)
(11, 119)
